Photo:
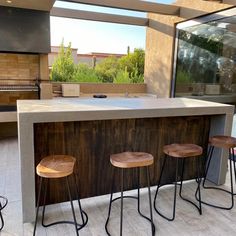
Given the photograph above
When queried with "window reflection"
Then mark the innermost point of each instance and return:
(206, 59)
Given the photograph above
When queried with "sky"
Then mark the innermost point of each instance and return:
(92, 36)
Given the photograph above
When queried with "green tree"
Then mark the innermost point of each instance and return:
(134, 62)
(107, 69)
(86, 74)
(63, 68)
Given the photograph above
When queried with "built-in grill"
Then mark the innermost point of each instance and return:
(14, 88)
(9, 94)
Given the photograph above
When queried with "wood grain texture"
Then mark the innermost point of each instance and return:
(221, 141)
(182, 150)
(131, 159)
(92, 143)
(56, 166)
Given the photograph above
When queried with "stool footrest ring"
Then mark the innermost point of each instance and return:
(183, 198)
(133, 197)
(213, 205)
(79, 226)
(140, 213)
(231, 166)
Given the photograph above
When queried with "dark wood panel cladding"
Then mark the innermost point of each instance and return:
(92, 142)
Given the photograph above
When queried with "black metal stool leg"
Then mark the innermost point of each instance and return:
(233, 159)
(121, 206)
(138, 188)
(37, 211)
(110, 203)
(209, 157)
(181, 178)
(231, 151)
(175, 192)
(159, 184)
(82, 213)
(150, 201)
(2, 221)
(2, 206)
(44, 201)
(197, 189)
(199, 185)
(72, 206)
(1, 217)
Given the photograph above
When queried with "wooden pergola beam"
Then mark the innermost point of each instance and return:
(95, 16)
(134, 5)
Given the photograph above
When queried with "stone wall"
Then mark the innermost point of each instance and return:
(160, 39)
(18, 68)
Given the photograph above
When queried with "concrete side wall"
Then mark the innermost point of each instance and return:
(160, 39)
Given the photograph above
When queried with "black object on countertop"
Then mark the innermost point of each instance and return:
(99, 96)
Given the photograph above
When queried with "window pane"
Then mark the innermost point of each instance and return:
(206, 59)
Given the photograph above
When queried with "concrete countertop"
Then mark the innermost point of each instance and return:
(69, 109)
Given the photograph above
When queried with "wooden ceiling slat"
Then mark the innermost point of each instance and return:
(95, 16)
(135, 5)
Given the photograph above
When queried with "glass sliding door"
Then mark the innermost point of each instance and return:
(206, 57)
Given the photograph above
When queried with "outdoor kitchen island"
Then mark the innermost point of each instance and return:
(92, 129)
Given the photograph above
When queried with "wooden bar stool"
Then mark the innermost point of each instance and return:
(180, 152)
(58, 166)
(127, 160)
(228, 143)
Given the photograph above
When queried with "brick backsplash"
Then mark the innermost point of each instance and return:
(19, 68)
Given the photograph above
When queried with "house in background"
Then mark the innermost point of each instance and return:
(90, 59)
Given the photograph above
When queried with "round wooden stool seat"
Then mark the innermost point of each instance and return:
(56, 166)
(182, 150)
(222, 141)
(131, 159)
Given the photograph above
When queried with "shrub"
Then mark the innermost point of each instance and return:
(86, 74)
(135, 77)
(107, 69)
(122, 77)
(63, 68)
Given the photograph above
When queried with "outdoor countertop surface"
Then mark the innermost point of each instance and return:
(116, 108)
